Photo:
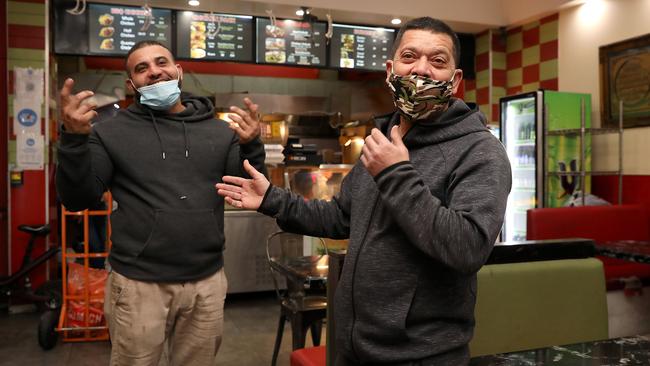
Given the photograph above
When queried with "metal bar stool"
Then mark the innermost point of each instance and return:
(303, 265)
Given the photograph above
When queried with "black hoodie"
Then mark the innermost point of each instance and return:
(419, 231)
(161, 169)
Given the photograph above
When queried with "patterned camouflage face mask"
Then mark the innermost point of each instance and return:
(417, 97)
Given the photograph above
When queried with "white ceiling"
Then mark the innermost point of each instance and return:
(466, 16)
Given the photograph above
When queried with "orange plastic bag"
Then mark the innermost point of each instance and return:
(76, 309)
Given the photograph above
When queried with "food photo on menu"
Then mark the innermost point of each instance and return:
(106, 20)
(275, 44)
(275, 48)
(274, 31)
(347, 51)
(197, 39)
(106, 32)
(107, 44)
(276, 57)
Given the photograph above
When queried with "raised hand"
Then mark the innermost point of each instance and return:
(75, 114)
(245, 123)
(244, 193)
(378, 153)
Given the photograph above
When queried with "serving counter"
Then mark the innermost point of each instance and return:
(245, 255)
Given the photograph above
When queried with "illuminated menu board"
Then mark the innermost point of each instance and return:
(291, 42)
(214, 36)
(357, 47)
(113, 30)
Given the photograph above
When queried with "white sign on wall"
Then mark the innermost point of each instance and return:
(29, 151)
(28, 84)
(27, 116)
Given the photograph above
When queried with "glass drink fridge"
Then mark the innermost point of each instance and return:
(545, 161)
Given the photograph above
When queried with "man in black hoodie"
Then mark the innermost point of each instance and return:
(422, 210)
(160, 158)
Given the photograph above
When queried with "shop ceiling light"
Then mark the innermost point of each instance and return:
(303, 11)
(194, 3)
(396, 21)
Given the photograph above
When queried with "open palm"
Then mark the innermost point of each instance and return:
(244, 193)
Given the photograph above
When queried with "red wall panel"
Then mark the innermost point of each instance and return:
(4, 247)
(636, 188)
(27, 201)
(219, 68)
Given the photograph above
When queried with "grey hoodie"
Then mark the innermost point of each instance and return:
(419, 231)
(161, 169)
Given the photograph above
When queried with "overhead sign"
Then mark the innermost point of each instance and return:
(358, 47)
(113, 30)
(291, 42)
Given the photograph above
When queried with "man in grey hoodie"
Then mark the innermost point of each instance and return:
(422, 210)
(160, 158)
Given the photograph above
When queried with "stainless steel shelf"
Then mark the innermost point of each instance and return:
(581, 133)
(613, 172)
(577, 131)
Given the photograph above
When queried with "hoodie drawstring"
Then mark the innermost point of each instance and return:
(162, 146)
(187, 141)
(155, 127)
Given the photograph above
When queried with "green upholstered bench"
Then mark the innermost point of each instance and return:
(539, 304)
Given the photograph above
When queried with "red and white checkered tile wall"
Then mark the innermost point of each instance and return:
(508, 62)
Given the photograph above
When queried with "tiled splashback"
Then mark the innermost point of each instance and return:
(512, 61)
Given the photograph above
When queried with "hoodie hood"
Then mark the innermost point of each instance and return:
(197, 109)
(458, 120)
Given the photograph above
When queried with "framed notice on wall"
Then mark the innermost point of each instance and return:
(625, 77)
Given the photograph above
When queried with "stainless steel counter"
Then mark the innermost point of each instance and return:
(245, 256)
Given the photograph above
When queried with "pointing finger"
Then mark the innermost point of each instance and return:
(235, 118)
(242, 113)
(252, 107)
(67, 88)
(86, 107)
(88, 116)
(240, 116)
(85, 94)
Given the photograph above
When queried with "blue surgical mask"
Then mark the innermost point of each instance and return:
(160, 96)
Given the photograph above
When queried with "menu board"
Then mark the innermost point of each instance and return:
(113, 30)
(214, 36)
(357, 47)
(291, 42)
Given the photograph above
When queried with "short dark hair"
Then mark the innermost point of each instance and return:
(432, 25)
(142, 44)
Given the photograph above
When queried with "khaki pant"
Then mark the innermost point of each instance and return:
(142, 316)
